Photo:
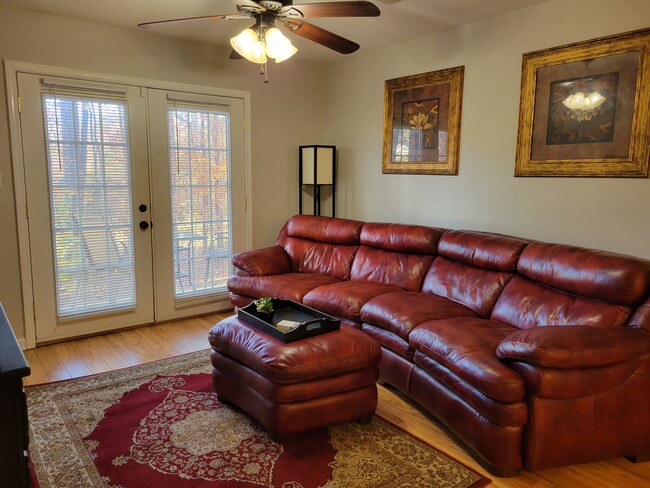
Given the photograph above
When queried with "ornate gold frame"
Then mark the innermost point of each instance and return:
(635, 163)
(445, 84)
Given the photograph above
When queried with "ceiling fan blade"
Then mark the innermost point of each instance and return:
(321, 36)
(235, 55)
(333, 9)
(201, 17)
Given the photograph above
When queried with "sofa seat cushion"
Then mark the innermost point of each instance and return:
(390, 341)
(400, 312)
(501, 413)
(467, 347)
(289, 286)
(346, 298)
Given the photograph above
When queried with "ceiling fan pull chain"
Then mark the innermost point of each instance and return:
(264, 71)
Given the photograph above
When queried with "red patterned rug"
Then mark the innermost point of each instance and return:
(160, 425)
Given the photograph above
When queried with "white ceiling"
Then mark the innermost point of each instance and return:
(400, 20)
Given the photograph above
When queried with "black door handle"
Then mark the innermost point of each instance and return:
(142, 207)
(144, 225)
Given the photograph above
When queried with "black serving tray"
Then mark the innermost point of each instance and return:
(290, 310)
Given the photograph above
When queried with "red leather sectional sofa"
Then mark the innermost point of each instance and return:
(470, 327)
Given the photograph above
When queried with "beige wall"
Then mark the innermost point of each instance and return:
(343, 105)
(606, 213)
(43, 39)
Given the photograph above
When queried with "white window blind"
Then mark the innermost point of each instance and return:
(200, 158)
(90, 200)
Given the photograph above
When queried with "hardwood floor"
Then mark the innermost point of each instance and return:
(98, 354)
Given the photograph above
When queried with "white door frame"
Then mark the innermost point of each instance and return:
(18, 164)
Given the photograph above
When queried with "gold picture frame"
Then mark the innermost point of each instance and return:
(422, 123)
(584, 109)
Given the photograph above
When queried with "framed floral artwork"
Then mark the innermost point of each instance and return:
(422, 123)
(584, 109)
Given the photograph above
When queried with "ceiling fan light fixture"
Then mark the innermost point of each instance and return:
(262, 40)
(249, 46)
(278, 46)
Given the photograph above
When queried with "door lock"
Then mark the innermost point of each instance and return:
(144, 225)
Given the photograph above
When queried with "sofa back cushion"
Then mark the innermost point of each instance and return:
(325, 229)
(567, 285)
(321, 245)
(472, 268)
(395, 254)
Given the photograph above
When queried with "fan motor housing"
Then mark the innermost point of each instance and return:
(274, 5)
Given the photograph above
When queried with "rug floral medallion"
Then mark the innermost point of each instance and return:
(161, 424)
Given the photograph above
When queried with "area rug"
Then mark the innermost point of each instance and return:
(160, 424)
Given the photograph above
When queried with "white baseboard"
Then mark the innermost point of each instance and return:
(22, 343)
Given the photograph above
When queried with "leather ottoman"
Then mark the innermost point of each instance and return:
(299, 386)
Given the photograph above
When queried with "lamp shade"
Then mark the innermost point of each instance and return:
(317, 165)
(278, 46)
(317, 176)
(249, 46)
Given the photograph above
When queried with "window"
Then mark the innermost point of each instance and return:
(200, 158)
(88, 162)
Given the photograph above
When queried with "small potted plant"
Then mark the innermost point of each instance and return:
(264, 307)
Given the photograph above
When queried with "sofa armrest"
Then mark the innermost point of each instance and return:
(588, 382)
(575, 346)
(263, 262)
(576, 361)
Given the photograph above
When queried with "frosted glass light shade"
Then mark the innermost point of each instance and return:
(317, 165)
(249, 46)
(278, 46)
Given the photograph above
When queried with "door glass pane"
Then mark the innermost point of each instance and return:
(90, 200)
(200, 150)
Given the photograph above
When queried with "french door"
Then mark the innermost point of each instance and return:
(135, 202)
(197, 152)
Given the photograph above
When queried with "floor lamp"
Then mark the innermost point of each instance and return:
(317, 168)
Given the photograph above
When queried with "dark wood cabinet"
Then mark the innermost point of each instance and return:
(14, 430)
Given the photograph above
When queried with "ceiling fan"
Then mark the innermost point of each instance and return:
(263, 40)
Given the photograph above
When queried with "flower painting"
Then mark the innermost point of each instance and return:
(420, 127)
(422, 123)
(585, 109)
